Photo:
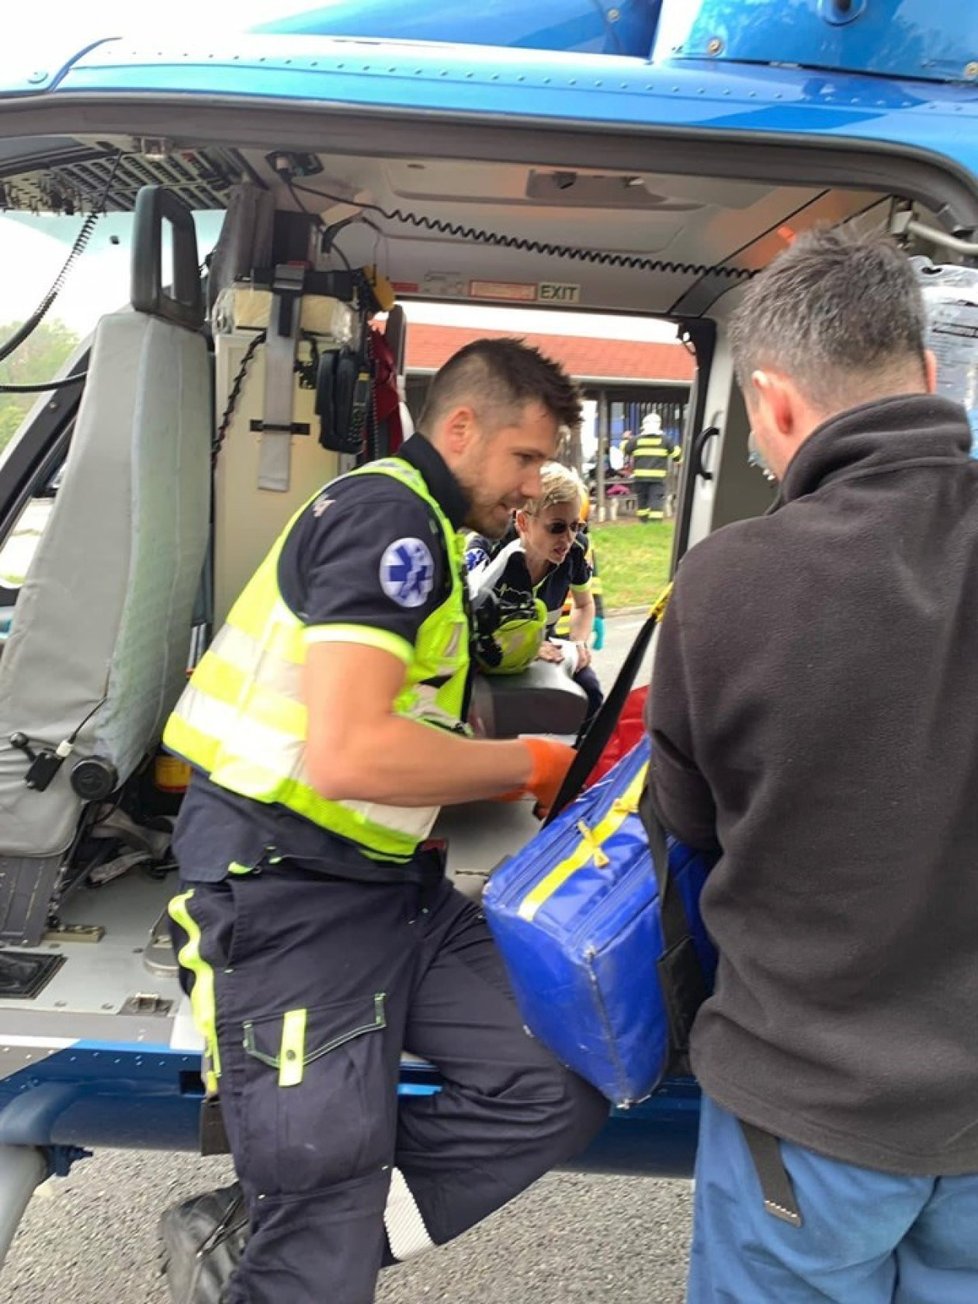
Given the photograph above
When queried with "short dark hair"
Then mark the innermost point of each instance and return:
(842, 315)
(497, 377)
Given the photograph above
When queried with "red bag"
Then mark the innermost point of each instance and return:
(628, 731)
(387, 402)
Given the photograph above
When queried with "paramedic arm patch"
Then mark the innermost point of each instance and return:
(407, 572)
(373, 564)
(477, 551)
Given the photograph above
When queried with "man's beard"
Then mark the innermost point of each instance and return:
(487, 516)
(488, 519)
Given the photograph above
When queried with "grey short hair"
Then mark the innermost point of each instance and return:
(842, 316)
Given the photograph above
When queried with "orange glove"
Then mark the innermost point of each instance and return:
(551, 760)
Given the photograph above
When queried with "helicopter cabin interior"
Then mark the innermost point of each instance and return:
(216, 401)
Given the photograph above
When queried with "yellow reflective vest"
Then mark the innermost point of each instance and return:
(242, 717)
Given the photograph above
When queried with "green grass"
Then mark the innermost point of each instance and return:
(633, 561)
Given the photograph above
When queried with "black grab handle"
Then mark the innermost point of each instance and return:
(183, 301)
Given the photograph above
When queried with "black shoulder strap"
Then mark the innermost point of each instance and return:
(681, 978)
(593, 743)
(675, 925)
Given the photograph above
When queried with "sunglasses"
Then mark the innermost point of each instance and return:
(562, 527)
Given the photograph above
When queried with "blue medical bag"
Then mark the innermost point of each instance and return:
(578, 918)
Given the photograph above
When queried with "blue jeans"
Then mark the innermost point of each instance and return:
(867, 1237)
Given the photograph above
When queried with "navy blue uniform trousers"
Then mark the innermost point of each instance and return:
(650, 497)
(588, 680)
(319, 984)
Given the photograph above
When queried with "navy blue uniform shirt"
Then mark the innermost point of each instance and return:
(367, 554)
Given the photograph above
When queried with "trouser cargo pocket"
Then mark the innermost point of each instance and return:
(316, 1105)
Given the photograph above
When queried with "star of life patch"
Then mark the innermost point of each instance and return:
(407, 572)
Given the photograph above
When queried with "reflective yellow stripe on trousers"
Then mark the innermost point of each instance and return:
(202, 993)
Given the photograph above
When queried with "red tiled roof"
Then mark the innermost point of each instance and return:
(429, 346)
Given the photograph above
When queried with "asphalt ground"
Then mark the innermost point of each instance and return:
(91, 1238)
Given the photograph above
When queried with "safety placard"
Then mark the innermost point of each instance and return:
(511, 291)
(951, 297)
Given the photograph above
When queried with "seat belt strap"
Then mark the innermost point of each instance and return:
(598, 734)
(275, 450)
(776, 1188)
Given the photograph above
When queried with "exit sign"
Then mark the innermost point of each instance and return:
(558, 292)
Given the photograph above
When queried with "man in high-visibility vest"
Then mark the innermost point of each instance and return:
(316, 930)
(651, 452)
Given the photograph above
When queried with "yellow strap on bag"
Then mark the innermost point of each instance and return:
(658, 607)
(588, 849)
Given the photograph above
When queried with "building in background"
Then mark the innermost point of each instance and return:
(622, 379)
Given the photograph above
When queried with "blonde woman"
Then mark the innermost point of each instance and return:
(528, 575)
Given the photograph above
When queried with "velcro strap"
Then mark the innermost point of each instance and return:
(275, 451)
(292, 1054)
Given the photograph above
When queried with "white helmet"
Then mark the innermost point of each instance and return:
(652, 424)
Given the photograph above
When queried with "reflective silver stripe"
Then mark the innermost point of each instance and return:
(234, 645)
(244, 651)
(406, 1233)
(451, 649)
(425, 710)
(414, 821)
(263, 745)
(280, 755)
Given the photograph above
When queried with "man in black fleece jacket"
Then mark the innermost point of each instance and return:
(814, 714)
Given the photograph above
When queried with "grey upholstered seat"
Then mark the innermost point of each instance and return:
(101, 629)
(541, 699)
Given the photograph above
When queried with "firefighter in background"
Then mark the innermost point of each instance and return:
(651, 452)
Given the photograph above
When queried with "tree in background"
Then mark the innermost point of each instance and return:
(39, 358)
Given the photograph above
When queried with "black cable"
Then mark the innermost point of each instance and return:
(222, 429)
(326, 231)
(77, 730)
(317, 218)
(29, 326)
(81, 240)
(632, 262)
(333, 248)
(298, 202)
(44, 386)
